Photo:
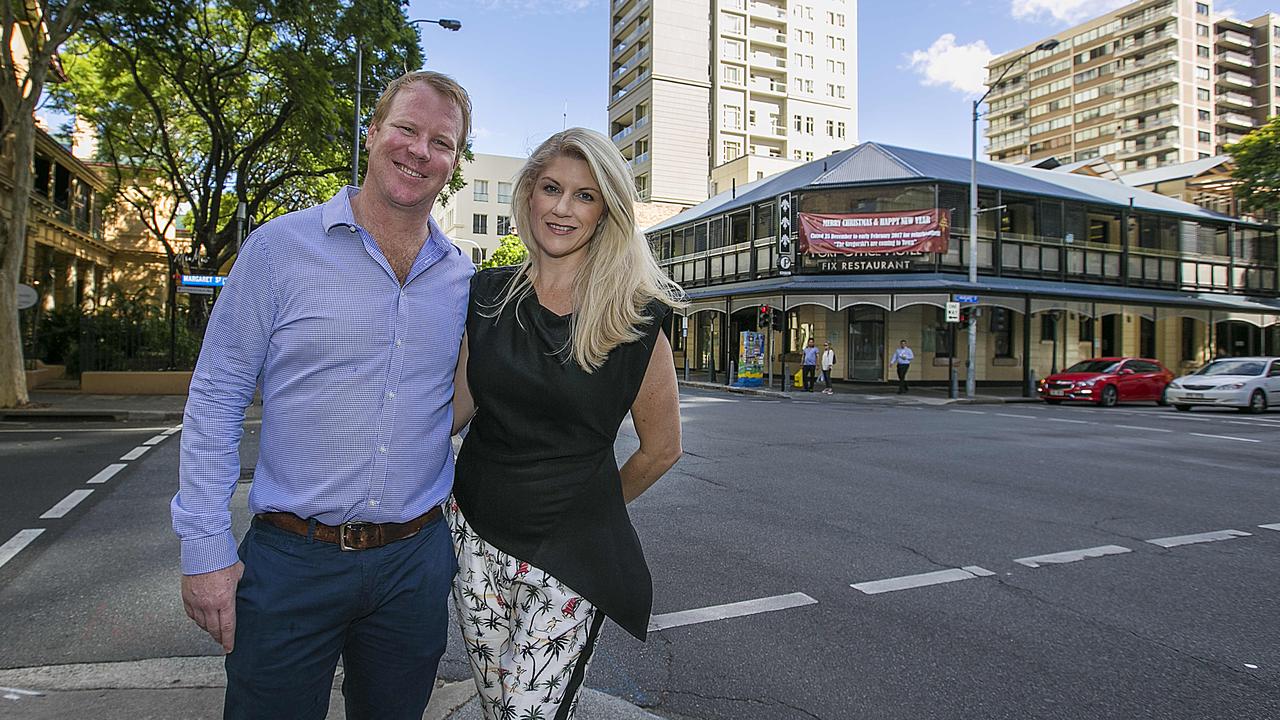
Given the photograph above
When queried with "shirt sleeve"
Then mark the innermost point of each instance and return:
(222, 386)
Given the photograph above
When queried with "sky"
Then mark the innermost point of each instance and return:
(533, 66)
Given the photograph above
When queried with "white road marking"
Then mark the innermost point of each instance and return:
(136, 453)
(173, 430)
(66, 504)
(1214, 536)
(1226, 437)
(876, 397)
(1065, 420)
(156, 440)
(908, 582)
(107, 473)
(731, 610)
(1139, 427)
(16, 543)
(1068, 556)
(1273, 526)
(64, 431)
(971, 412)
(11, 693)
(1015, 415)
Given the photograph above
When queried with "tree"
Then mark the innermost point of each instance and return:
(31, 34)
(1257, 161)
(223, 102)
(510, 251)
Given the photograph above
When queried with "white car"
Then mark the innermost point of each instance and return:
(1247, 383)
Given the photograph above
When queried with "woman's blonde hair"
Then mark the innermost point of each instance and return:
(619, 277)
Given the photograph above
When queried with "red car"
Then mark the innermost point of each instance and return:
(1107, 381)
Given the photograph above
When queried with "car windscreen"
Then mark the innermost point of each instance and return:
(1232, 367)
(1093, 366)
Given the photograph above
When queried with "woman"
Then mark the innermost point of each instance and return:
(557, 351)
(827, 362)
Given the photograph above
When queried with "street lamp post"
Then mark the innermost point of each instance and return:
(447, 24)
(970, 380)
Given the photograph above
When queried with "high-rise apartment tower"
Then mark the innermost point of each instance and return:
(1153, 83)
(704, 93)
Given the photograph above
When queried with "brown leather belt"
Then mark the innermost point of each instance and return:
(352, 535)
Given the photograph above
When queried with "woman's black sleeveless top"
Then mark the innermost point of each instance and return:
(537, 477)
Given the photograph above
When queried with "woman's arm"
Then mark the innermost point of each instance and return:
(656, 415)
(464, 406)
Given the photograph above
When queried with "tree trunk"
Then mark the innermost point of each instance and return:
(13, 377)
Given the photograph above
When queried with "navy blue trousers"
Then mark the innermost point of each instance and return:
(303, 604)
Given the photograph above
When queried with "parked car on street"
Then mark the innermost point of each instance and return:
(1247, 383)
(1107, 381)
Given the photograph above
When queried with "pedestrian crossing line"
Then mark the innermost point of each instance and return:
(908, 582)
(1015, 415)
(1226, 437)
(1139, 427)
(136, 453)
(1272, 526)
(730, 610)
(66, 504)
(971, 412)
(172, 430)
(1068, 420)
(106, 473)
(156, 440)
(1070, 556)
(1214, 536)
(16, 543)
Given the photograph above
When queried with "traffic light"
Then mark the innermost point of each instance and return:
(966, 317)
(765, 317)
(776, 317)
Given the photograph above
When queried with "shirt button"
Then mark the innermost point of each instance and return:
(352, 228)
(373, 503)
(399, 342)
(382, 448)
(391, 396)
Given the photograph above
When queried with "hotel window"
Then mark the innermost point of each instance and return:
(831, 128)
(642, 186)
(1202, 73)
(504, 225)
(732, 75)
(1204, 136)
(732, 49)
(1202, 94)
(732, 150)
(1202, 30)
(504, 192)
(480, 190)
(732, 117)
(1202, 51)
(840, 130)
(1049, 326)
(808, 124)
(479, 224)
(1202, 115)
(1202, 8)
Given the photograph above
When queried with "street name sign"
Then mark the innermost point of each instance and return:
(969, 299)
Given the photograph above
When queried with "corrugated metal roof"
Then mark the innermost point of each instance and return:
(873, 162)
(1180, 171)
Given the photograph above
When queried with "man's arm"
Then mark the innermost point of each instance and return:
(222, 386)
(656, 415)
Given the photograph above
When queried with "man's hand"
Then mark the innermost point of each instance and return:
(210, 600)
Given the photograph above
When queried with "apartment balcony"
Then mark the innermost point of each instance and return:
(1227, 138)
(1147, 41)
(635, 61)
(764, 10)
(767, 36)
(1135, 85)
(1129, 109)
(997, 128)
(626, 132)
(1133, 149)
(765, 60)
(739, 5)
(776, 131)
(1148, 62)
(1148, 17)
(1235, 59)
(622, 92)
(1236, 120)
(1231, 38)
(1232, 99)
(1147, 125)
(992, 114)
(1235, 79)
(768, 86)
(1007, 87)
(640, 30)
(1019, 141)
(630, 16)
(640, 159)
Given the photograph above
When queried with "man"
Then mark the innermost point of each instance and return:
(350, 314)
(809, 365)
(902, 358)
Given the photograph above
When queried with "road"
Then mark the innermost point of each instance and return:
(1098, 563)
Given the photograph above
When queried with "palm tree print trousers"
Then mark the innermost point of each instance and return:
(529, 638)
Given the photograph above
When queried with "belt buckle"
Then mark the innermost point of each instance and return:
(342, 533)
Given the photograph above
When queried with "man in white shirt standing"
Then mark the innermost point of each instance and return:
(902, 358)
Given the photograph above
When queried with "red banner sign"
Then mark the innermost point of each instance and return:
(874, 233)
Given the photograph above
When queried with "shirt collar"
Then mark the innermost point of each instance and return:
(336, 213)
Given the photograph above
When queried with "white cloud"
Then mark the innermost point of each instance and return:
(1063, 11)
(960, 67)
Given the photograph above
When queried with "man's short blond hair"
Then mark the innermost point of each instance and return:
(442, 84)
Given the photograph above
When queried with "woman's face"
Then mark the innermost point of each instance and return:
(565, 207)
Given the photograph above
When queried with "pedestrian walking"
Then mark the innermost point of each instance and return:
(902, 358)
(347, 556)
(558, 350)
(809, 365)
(827, 361)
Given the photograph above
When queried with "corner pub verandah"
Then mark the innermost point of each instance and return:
(1069, 267)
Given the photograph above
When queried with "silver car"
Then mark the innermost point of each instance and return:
(1247, 383)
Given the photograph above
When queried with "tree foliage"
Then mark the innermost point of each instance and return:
(510, 251)
(222, 102)
(31, 32)
(1257, 166)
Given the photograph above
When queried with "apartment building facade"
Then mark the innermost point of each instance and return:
(479, 215)
(727, 91)
(1154, 83)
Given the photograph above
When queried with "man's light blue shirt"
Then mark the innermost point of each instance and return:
(356, 374)
(902, 356)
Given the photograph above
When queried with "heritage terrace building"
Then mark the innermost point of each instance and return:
(1070, 266)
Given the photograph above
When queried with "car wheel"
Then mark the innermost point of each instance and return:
(1257, 402)
(1109, 396)
(1182, 408)
(1164, 397)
